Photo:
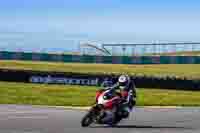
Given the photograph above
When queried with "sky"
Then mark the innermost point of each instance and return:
(62, 24)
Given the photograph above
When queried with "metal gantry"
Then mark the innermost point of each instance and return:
(151, 48)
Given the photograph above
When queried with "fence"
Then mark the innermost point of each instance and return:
(4, 55)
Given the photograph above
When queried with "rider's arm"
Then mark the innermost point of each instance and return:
(114, 87)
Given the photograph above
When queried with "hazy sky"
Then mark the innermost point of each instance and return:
(44, 24)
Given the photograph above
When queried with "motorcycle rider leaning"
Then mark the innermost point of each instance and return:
(128, 95)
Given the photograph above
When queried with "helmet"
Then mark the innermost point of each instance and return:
(123, 81)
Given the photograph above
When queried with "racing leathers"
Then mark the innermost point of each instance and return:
(128, 97)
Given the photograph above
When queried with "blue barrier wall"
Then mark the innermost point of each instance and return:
(4, 55)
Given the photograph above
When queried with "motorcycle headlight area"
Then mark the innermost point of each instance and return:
(105, 97)
(108, 96)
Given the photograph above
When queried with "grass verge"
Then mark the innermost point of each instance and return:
(180, 70)
(66, 95)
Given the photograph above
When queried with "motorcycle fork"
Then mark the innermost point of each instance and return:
(97, 111)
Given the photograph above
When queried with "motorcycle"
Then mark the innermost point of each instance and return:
(105, 110)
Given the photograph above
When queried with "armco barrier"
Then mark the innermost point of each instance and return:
(100, 59)
(95, 80)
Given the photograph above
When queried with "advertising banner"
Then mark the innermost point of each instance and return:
(64, 80)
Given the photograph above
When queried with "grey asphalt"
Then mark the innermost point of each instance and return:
(31, 119)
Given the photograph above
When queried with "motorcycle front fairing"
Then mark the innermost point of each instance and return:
(109, 104)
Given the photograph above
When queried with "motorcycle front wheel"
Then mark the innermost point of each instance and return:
(87, 120)
(91, 116)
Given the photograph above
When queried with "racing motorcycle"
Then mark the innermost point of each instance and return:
(105, 110)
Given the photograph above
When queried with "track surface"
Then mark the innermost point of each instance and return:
(28, 119)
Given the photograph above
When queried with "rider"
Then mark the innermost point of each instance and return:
(128, 93)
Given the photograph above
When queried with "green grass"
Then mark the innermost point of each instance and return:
(66, 95)
(36, 94)
(187, 70)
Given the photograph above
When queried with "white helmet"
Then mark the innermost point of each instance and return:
(123, 81)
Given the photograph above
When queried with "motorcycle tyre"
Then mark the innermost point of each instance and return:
(87, 120)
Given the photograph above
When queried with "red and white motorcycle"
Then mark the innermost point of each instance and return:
(104, 110)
